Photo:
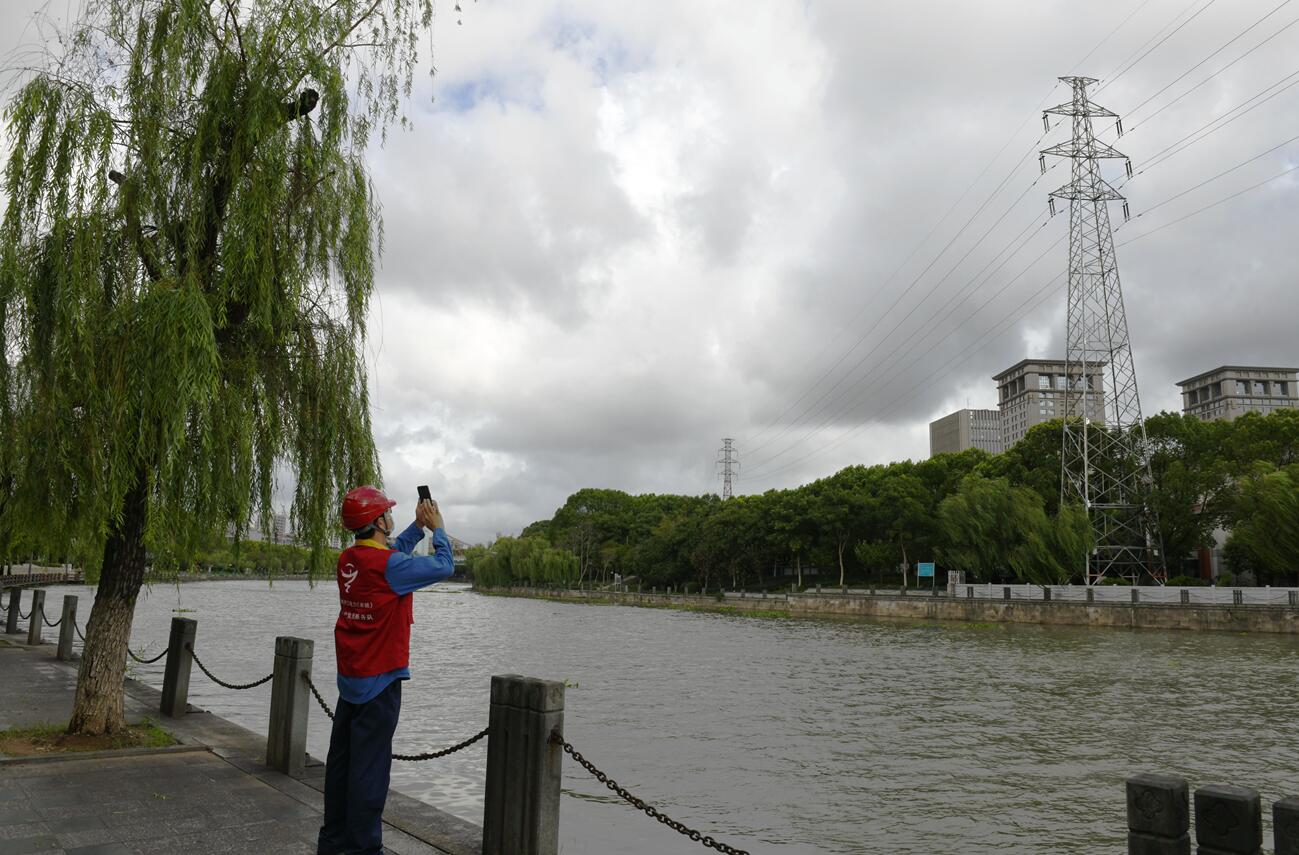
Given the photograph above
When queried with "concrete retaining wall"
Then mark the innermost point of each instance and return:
(1221, 618)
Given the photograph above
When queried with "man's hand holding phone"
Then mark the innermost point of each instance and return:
(427, 513)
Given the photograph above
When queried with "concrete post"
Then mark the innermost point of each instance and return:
(286, 739)
(1285, 824)
(969, 592)
(67, 627)
(1136, 595)
(843, 590)
(1228, 820)
(818, 589)
(1294, 598)
(175, 675)
(1046, 593)
(1005, 593)
(1159, 816)
(1238, 598)
(1091, 594)
(15, 603)
(37, 619)
(1186, 597)
(521, 811)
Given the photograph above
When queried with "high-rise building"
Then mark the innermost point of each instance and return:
(966, 429)
(1231, 390)
(1032, 391)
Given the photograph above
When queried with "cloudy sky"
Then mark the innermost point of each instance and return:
(619, 232)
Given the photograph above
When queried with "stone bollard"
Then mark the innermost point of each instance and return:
(1158, 815)
(1228, 821)
(175, 674)
(969, 592)
(1285, 826)
(1186, 597)
(1091, 595)
(286, 738)
(15, 603)
(1005, 593)
(521, 810)
(1136, 595)
(818, 589)
(1046, 593)
(1238, 598)
(872, 590)
(843, 590)
(1294, 598)
(37, 620)
(67, 628)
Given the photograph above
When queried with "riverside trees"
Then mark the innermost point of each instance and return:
(998, 517)
(186, 258)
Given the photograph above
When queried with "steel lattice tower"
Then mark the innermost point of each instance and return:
(1104, 462)
(728, 466)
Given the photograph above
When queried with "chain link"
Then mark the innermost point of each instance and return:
(143, 661)
(78, 629)
(51, 625)
(25, 616)
(222, 683)
(640, 805)
(324, 706)
(432, 755)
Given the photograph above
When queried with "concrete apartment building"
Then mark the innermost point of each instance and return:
(1032, 391)
(1230, 390)
(966, 429)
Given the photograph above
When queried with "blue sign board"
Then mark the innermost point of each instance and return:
(925, 569)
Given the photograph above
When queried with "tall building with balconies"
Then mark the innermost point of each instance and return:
(1032, 391)
(1232, 390)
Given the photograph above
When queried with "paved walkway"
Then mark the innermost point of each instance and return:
(211, 794)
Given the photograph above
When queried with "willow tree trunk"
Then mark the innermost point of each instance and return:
(98, 708)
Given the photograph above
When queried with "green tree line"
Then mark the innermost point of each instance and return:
(996, 517)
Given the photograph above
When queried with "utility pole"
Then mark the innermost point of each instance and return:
(1105, 465)
(728, 466)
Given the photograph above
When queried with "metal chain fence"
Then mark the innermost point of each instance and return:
(639, 804)
(222, 683)
(431, 755)
(46, 621)
(25, 616)
(140, 659)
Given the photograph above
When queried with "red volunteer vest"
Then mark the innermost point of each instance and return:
(372, 635)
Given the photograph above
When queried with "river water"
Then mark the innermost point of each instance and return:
(791, 736)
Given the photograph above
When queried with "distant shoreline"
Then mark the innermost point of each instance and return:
(1263, 619)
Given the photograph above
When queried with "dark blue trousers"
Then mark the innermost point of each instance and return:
(357, 772)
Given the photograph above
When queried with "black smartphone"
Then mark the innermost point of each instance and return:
(424, 495)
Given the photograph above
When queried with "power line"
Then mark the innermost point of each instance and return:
(1129, 66)
(1102, 42)
(1010, 318)
(1214, 74)
(1227, 44)
(896, 325)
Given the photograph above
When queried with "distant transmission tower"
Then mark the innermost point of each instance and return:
(1104, 462)
(728, 466)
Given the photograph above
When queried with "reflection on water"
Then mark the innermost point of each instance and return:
(793, 736)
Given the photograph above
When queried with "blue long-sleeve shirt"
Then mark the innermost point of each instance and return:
(405, 573)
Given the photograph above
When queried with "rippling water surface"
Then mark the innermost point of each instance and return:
(792, 736)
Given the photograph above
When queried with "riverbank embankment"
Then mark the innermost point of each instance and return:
(1204, 617)
(210, 792)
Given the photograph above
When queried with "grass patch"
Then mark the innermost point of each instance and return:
(51, 739)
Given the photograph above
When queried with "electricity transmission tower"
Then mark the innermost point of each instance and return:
(728, 466)
(1104, 461)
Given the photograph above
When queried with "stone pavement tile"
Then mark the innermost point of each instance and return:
(11, 815)
(25, 845)
(100, 849)
(15, 831)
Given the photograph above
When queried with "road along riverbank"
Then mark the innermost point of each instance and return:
(1205, 617)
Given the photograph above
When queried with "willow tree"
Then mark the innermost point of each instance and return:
(186, 257)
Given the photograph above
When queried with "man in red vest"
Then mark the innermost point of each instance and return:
(372, 642)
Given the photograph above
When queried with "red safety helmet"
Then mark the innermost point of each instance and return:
(364, 505)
